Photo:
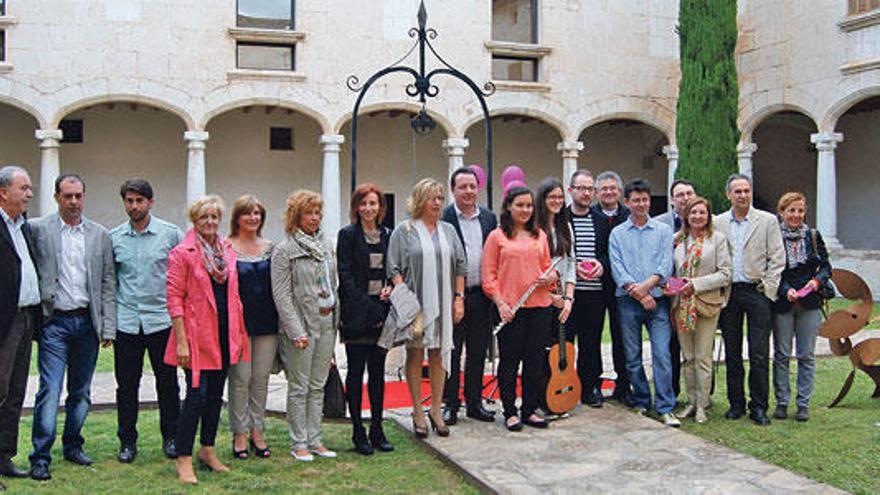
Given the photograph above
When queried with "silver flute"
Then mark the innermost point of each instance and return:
(522, 300)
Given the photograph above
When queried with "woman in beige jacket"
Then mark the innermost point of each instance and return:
(702, 260)
(304, 289)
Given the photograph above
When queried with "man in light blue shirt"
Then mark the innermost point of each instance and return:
(140, 248)
(641, 260)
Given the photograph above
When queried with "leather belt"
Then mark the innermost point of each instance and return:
(71, 313)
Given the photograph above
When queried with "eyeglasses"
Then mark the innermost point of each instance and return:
(583, 189)
(556, 196)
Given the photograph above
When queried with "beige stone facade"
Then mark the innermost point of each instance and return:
(157, 87)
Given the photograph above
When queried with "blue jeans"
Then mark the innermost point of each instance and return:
(66, 342)
(632, 317)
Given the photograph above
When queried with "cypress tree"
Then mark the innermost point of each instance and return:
(708, 97)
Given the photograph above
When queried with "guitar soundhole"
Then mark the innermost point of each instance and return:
(564, 390)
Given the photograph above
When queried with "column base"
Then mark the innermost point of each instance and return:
(832, 243)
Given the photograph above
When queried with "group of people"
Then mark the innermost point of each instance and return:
(241, 307)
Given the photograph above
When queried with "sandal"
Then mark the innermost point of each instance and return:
(515, 425)
(239, 454)
(536, 421)
(261, 453)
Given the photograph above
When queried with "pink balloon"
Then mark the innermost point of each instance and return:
(512, 173)
(481, 176)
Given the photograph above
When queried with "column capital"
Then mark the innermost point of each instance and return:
(332, 139)
(826, 141)
(746, 150)
(671, 152)
(195, 139)
(49, 138)
(455, 146)
(570, 149)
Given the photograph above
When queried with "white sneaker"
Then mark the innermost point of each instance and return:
(324, 452)
(302, 458)
(669, 419)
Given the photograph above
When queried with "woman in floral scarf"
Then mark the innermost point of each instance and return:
(304, 288)
(702, 261)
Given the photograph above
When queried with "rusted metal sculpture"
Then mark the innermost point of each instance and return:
(840, 325)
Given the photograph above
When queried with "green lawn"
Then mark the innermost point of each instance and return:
(410, 468)
(839, 446)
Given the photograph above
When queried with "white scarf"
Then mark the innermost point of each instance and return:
(433, 304)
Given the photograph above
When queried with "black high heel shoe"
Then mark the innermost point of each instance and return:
(260, 453)
(420, 431)
(441, 428)
(238, 454)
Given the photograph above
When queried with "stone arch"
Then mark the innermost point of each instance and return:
(406, 106)
(633, 116)
(755, 119)
(557, 124)
(833, 115)
(24, 107)
(313, 114)
(171, 108)
(645, 110)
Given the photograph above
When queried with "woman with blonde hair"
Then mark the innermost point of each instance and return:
(208, 330)
(304, 289)
(797, 310)
(426, 254)
(702, 262)
(249, 381)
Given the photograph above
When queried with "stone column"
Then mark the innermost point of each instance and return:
(826, 187)
(570, 150)
(744, 152)
(195, 164)
(50, 167)
(330, 186)
(455, 149)
(671, 152)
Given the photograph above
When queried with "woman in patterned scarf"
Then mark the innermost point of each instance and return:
(304, 288)
(702, 260)
(797, 312)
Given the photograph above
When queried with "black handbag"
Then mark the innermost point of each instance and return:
(826, 290)
(334, 395)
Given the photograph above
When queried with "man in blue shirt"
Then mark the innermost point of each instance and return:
(641, 260)
(140, 248)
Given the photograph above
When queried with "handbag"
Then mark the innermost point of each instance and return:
(826, 290)
(334, 394)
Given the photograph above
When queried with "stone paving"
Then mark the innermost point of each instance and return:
(593, 451)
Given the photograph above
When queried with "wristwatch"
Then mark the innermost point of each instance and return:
(566, 298)
(459, 294)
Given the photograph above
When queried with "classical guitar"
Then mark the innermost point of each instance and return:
(564, 386)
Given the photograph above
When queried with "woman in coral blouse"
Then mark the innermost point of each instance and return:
(209, 333)
(517, 253)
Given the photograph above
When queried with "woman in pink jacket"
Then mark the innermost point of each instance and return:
(209, 333)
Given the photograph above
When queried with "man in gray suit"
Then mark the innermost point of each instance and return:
(78, 294)
(681, 192)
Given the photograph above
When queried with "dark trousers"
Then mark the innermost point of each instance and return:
(618, 347)
(521, 342)
(585, 322)
(474, 332)
(128, 364)
(15, 360)
(66, 344)
(745, 300)
(361, 357)
(203, 405)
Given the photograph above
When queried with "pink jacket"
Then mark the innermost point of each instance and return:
(191, 296)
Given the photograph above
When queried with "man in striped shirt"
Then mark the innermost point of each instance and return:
(587, 318)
